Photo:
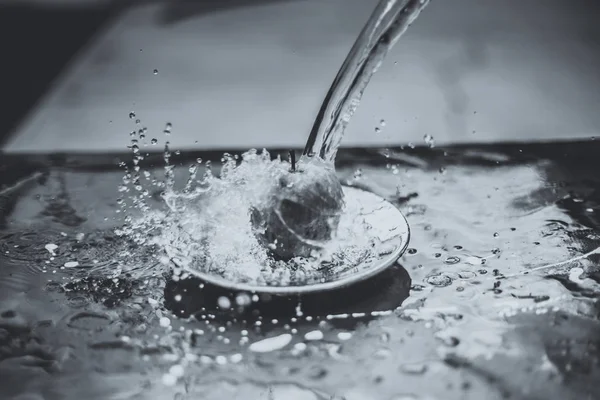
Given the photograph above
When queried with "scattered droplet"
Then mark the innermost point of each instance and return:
(155, 72)
(429, 141)
(271, 344)
(314, 335)
(71, 264)
(51, 247)
(413, 368)
(452, 260)
(439, 280)
(243, 300)
(224, 303)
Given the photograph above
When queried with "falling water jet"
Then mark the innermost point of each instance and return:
(315, 198)
(389, 21)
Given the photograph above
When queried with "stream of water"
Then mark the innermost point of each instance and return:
(389, 21)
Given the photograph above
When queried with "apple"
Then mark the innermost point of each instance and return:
(302, 209)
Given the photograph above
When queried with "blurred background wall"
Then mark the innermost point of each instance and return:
(238, 74)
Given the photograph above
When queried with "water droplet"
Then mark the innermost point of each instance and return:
(412, 251)
(466, 275)
(413, 368)
(377, 129)
(439, 280)
(132, 116)
(51, 247)
(429, 141)
(452, 260)
(155, 72)
(243, 300)
(71, 264)
(496, 234)
(153, 141)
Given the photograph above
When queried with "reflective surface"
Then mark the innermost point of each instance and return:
(496, 296)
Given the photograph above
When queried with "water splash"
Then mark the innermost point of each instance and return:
(209, 225)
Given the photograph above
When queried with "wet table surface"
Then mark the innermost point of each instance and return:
(497, 296)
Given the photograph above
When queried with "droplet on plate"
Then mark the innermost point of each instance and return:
(224, 303)
(452, 260)
(314, 335)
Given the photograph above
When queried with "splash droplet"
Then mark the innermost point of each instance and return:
(429, 141)
(271, 344)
